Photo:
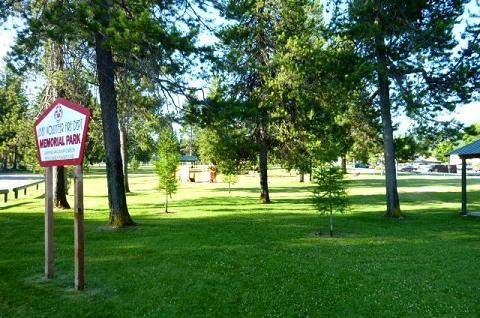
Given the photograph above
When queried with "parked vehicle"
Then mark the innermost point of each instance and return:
(361, 165)
(439, 168)
(424, 168)
(452, 168)
(408, 169)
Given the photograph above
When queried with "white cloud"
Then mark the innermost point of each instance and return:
(7, 37)
(6, 41)
(468, 113)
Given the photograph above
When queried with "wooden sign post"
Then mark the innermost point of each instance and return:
(61, 135)
(78, 229)
(49, 222)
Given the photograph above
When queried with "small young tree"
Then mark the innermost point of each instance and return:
(167, 163)
(330, 192)
(230, 178)
(134, 164)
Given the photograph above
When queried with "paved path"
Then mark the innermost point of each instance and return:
(12, 180)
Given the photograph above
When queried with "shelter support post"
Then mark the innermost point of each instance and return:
(464, 186)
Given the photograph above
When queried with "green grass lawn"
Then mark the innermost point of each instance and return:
(223, 255)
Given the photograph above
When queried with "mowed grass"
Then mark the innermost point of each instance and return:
(224, 255)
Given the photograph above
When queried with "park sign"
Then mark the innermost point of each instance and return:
(61, 134)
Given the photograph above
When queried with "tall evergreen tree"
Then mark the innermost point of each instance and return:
(15, 144)
(159, 36)
(408, 55)
(248, 45)
(260, 42)
(316, 108)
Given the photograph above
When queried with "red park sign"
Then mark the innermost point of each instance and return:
(61, 134)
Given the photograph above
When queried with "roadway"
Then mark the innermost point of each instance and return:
(12, 180)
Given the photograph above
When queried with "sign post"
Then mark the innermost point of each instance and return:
(49, 222)
(78, 229)
(60, 136)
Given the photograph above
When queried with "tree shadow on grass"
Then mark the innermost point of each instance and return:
(14, 205)
(105, 196)
(301, 188)
(135, 193)
(215, 201)
(235, 189)
(294, 201)
(237, 222)
(248, 249)
(248, 229)
(237, 231)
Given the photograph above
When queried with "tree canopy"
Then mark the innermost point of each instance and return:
(410, 60)
(285, 86)
(151, 40)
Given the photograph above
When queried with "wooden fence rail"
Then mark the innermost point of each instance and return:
(5, 194)
(24, 187)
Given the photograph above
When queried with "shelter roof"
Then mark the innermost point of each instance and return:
(471, 150)
(188, 158)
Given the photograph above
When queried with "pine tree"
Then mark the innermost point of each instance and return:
(159, 37)
(16, 146)
(407, 54)
(330, 195)
(166, 165)
(262, 48)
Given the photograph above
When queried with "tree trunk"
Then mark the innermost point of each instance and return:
(344, 164)
(60, 188)
(264, 193)
(331, 216)
(15, 158)
(4, 161)
(59, 176)
(124, 152)
(263, 60)
(393, 201)
(166, 200)
(302, 176)
(117, 200)
(310, 165)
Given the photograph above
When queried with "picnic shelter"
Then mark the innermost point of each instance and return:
(468, 151)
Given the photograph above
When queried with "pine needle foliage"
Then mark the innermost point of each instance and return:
(330, 195)
(231, 179)
(166, 165)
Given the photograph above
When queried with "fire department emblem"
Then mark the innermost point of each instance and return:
(58, 113)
